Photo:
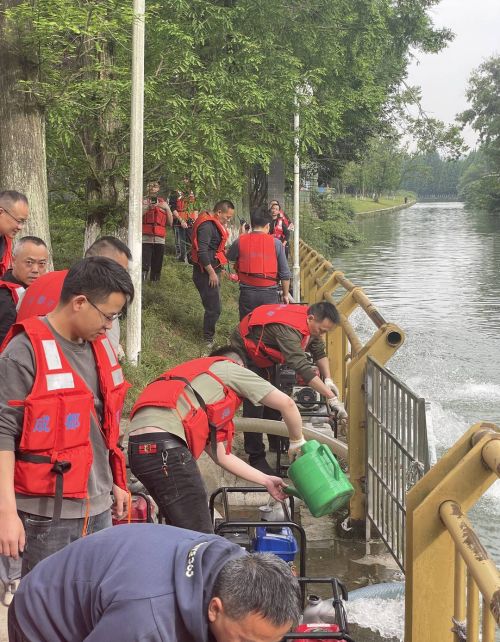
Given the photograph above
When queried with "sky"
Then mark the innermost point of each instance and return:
(443, 77)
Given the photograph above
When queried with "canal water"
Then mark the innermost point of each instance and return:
(434, 269)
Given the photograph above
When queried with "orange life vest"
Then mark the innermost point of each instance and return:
(220, 254)
(15, 290)
(257, 263)
(154, 220)
(54, 455)
(6, 259)
(209, 423)
(294, 316)
(42, 296)
(278, 230)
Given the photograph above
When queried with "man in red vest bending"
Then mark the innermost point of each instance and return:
(60, 402)
(261, 264)
(189, 409)
(276, 334)
(208, 255)
(14, 213)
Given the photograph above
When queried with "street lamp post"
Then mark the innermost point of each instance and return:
(296, 203)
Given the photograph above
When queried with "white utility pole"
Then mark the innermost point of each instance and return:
(135, 183)
(296, 204)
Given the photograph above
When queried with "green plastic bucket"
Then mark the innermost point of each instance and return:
(318, 480)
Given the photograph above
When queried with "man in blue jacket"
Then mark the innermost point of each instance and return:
(155, 583)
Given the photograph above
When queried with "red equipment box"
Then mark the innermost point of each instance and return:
(141, 511)
(317, 628)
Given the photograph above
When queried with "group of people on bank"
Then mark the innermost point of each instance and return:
(62, 472)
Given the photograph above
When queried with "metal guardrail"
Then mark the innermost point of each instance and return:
(452, 584)
(397, 454)
(347, 355)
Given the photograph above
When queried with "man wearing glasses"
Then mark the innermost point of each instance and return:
(60, 403)
(14, 213)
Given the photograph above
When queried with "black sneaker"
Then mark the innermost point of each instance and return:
(263, 465)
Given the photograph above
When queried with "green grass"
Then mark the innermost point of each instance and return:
(172, 318)
(363, 205)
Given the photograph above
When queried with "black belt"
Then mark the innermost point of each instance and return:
(151, 446)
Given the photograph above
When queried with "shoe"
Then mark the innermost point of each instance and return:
(10, 592)
(263, 465)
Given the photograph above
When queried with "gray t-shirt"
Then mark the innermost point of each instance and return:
(244, 382)
(17, 373)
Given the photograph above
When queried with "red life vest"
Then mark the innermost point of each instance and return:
(42, 296)
(199, 425)
(55, 440)
(257, 262)
(293, 316)
(220, 254)
(15, 290)
(154, 220)
(278, 230)
(6, 259)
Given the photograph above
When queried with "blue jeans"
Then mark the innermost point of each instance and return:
(173, 480)
(44, 536)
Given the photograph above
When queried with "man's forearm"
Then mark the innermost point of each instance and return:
(320, 387)
(285, 284)
(324, 367)
(7, 493)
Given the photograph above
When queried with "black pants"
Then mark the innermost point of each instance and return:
(180, 242)
(253, 441)
(15, 633)
(152, 259)
(251, 298)
(210, 298)
(173, 480)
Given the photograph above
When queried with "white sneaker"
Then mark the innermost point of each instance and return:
(10, 592)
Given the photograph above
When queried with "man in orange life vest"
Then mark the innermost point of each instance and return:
(155, 218)
(14, 213)
(30, 258)
(275, 334)
(208, 256)
(190, 409)
(60, 402)
(44, 293)
(261, 264)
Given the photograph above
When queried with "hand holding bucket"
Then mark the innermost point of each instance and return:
(318, 480)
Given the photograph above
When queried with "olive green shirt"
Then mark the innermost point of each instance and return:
(245, 383)
(288, 341)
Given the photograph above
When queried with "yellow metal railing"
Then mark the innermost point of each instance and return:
(348, 355)
(452, 584)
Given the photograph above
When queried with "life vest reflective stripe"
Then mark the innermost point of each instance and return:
(220, 254)
(42, 296)
(294, 316)
(165, 391)
(257, 261)
(57, 415)
(15, 289)
(154, 220)
(278, 231)
(6, 259)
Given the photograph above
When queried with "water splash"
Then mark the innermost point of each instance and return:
(385, 617)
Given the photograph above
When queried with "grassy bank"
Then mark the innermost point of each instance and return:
(363, 205)
(172, 318)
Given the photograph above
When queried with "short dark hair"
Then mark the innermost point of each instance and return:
(260, 217)
(274, 202)
(13, 196)
(223, 206)
(324, 310)
(227, 351)
(96, 277)
(28, 239)
(259, 583)
(110, 244)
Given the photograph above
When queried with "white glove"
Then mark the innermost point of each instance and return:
(337, 407)
(294, 448)
(329, 384)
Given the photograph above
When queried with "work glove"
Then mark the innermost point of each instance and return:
(337, 407)
(329, 384)
(294, 448)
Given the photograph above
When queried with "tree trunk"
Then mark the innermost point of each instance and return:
(22, 131)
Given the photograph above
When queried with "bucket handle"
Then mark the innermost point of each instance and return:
(332, 459)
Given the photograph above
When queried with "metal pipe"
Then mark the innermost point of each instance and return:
(478, 562)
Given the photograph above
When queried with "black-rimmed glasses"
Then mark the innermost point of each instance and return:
(108, 317)
(20, 221)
